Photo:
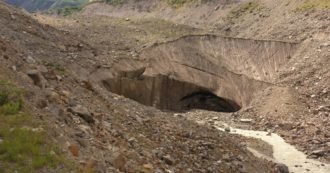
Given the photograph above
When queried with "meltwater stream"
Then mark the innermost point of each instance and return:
(285, 153)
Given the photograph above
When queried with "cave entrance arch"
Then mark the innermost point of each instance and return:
(208, 101)
(169, 94)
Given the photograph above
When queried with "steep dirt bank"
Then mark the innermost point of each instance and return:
(103, 131)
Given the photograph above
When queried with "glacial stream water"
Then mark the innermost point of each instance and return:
(285, 153)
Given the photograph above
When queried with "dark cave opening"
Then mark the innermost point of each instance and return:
(169, 94)
(208, 101)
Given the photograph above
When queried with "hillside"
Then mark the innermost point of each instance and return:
(100, 132)
(42, 5)
(303, 77)
(168, 86)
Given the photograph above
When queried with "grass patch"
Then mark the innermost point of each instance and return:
(174, 3)
(56, 67)
(10, 99)
(22, 147)
(179, 3)
(114, 2)
(24, 150)
(309, 5)
(66, 11)
(245, 8)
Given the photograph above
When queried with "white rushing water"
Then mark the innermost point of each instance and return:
(285, 153)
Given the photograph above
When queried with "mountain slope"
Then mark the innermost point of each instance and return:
(306, 74)
(41, 5)
(103, 132)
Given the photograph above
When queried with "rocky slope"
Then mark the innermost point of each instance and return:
(102, 131)
(297, 106)
(278, 76)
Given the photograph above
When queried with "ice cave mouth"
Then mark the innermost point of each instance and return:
(169, 94)
(198, 72)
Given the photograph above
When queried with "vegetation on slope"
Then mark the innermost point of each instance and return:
(313, 5)
(66, 11)
(177, 3)
(174, 3)
(41, 5)
(24, 146)
(244, 8)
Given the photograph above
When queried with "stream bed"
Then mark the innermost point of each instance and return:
(285, 153)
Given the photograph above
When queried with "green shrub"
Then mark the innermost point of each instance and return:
(3, 98)
(114, 2)
(22, 148)
(11, 108)
(26, 151)
(10, 99)
(66, 11)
